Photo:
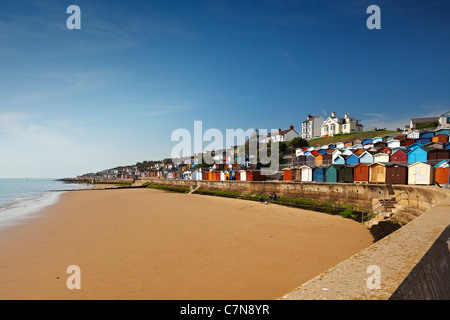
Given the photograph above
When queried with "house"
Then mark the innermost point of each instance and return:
(396, 173)
(318, 174)
(437, 155)
(360, 173)
(420, 173)
(306, 173)
(352, 160)
(399, 156)
(428, 122)
(381, 157)
(311, 127)
(377, 172)
(417, 154)
(444, 120)
(281, 135)
(334, 125)
(366, 157)
(440, 138)
(442, 172)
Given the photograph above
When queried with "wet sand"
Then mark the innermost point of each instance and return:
(151, 244)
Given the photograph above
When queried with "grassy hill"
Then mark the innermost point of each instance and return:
(351, 137)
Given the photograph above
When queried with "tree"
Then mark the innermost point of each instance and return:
(298, 143)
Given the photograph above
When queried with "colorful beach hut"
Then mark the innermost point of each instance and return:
(287, 174)
(340, 159)
(396, 173)
(366, 157)
(318, 174)
(442, 172)
(377, 172)
(381, 157)
(331, 173)
(407, 142)
(296, 174)
(420, 173)
(306, 173)
(352, 160)
(399, 156)
(417, 154)
(345, 174)
(437, 155)
(440, 138)
(360, 173)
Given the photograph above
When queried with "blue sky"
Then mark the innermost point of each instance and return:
(111, 93)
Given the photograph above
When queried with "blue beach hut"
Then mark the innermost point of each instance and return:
(323, 151)
(352, 160)
(426, 134)
(340, 159)
(417, 155)
(415, 145)
(442, 131)
(423, 141)
(366, 141)
(318, 174)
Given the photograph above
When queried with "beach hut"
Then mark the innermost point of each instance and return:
(347, 152)
(442, 131)
(358, 151)
(296, 174)
(306, 173)
(242, 175)
(399, 156)
(255, 175)
(417, 154)
(327, 159)
(352, 160)
(366, 157)
(381, 157)
(339, 145)
(222, 176)
(440, 138)
(377, 139)
(332, 146)
(407, 142)
(299, 152)
(325, 147)
(385, 150)
(393, 143)
(377, 172)
(323, 151)
(420, 173)
(345, 174)
(400, 136)
(413, 134)
(348, 143)
(360, 173)
(366, 141)
(435, 145)
(287, 174)
(331, 173)
(447, 145)
(357, 141)
(437, 155)
(310, 160)
(426, 134)
(335, 153)
(396, 173)
(318, 160)
(423, 141)
(368, 146)
(318, 174)
(442, 172)
(340, 159)
(414, 145)
(301, 160)
(387, 138)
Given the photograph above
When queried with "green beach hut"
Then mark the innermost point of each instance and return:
(331, 173)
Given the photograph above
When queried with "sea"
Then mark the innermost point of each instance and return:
(21, 197)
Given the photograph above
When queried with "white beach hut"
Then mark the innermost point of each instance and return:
(420, 173)
(381, 157)
(306, 173)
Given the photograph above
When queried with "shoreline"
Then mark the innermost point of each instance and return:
(145, 244)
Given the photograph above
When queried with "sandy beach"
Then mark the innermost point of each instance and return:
(151, 244)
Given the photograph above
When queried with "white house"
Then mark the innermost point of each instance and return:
(282, 135)
(334, 125)
(311, 127)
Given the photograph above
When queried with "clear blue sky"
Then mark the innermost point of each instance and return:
(111, 93)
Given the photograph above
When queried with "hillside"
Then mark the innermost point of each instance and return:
(351, 137)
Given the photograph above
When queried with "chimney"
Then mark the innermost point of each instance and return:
(346, 115)
(309, 117)
(291, 128)
(333, 114)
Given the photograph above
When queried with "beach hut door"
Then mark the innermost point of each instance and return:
(421, 175)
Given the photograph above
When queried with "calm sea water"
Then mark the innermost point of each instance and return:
(19, 197)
